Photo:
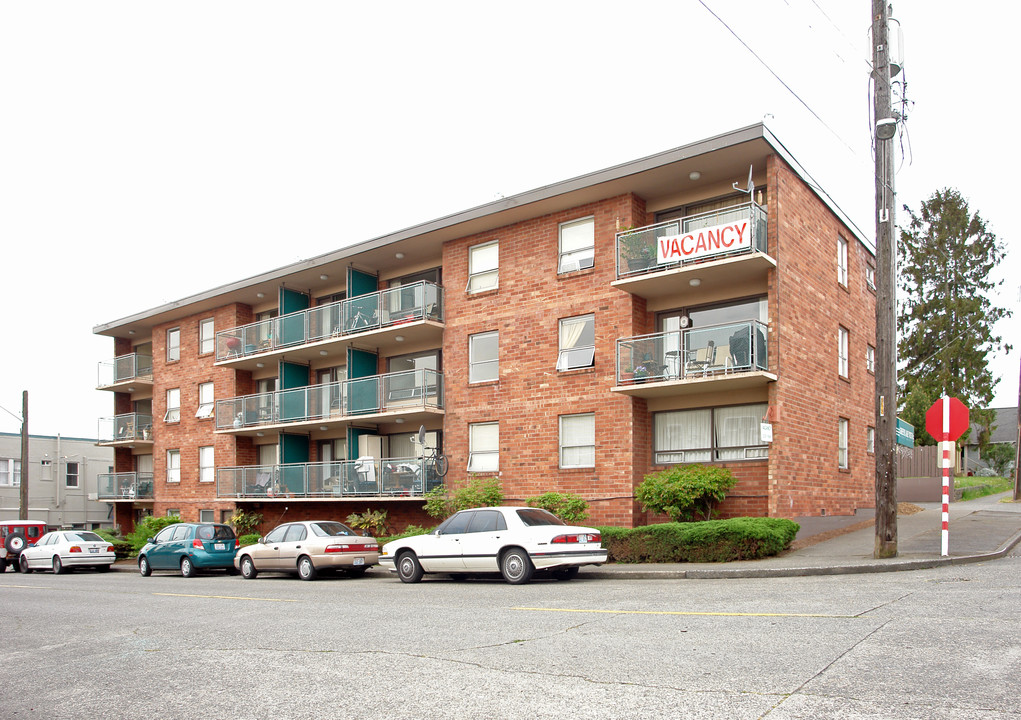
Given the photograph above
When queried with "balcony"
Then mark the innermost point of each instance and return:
(126, 373)
(734, 356)
(410, 394)
(386, 320)
(690, 259)
(389, 478)
(129, 486)
(128, 429)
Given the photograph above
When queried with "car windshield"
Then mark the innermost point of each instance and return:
(83, 536)
(215, 532)
(331, 529)
(532, 517)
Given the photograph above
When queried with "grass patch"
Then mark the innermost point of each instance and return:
(976, 487)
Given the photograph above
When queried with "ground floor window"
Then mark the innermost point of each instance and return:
(484, 447)
(577, 441)
(709, 434)
(207, 516)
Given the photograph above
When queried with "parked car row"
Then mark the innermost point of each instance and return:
(515, 542)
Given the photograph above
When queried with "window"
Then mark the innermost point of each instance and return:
(709, 434)
(71, 474)
(207, 516)
(870, 440)
(173, 344)
(577, 245)
(578, 441)
(842, 261)
(870, 358)
(173, 466)
(484, 447)
(577, 342)
(483, 267)
(842, 352)
(842, 444)
(10, 472)
(205, 409)
(484, 357)
(207, 336)
(165, 535)
(870, 277)
(173, 413)
(206, 470)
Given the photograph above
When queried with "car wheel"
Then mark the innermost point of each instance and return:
(58, 567)
(15, 543)
(516, 567)
(143, 566)
(102, 568)
(565, 573)
(248, 571)
(306, 570)
(23, 565)
(409, 569)
(187, 567)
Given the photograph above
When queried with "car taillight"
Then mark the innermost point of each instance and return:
(109, 548)
(196, 543)
(579, 538)
(75, 548)
(345, 548)
(237, 543)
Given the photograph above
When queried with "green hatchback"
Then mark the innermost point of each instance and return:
(189, 547)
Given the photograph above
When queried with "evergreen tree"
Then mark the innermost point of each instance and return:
(946, 318)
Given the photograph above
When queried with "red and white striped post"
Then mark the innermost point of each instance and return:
(946, 421)
(945, 535)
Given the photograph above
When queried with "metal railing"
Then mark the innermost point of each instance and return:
(125, 486)
(369, 477)
(124, 368)
(130, 426)
(698, 352)
(385, 308)
(637, 249)
(347, 398)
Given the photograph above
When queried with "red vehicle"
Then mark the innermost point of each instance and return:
(15, 536)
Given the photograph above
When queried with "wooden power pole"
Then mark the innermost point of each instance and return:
(23, 497)
(886, 284)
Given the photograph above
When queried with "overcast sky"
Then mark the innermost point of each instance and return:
(149, 151)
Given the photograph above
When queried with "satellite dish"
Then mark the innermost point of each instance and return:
(421, 435)
(750, 188)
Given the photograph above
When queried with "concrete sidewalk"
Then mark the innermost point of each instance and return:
(981, 529)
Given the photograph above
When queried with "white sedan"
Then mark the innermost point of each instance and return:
(514, 541)
(65, 549)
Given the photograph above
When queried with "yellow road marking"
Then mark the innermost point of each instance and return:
(683, 612)
(26, 587)
(224, 597)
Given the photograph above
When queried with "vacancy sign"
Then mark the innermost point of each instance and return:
(946, 421)
(705, 242)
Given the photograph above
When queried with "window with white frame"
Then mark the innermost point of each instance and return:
(207, 516)
(577, 245)
(206, 469)
(173, 413)
(71, 474)
(842, 354)
(709, 434)
(484, 357)
(842, 261)
(173, 466)
(870, 440)
(173, 344)
(483, 267)
(578, 441)
(10, 472)
(484, 447)
(173, 512)
(205, 408)
(842, 461)
(870, 358)
(207, 336)
(870, 277)
(577, 342)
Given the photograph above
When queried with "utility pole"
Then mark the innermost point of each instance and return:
(886, 284)
(1017, 446)
(23, 496)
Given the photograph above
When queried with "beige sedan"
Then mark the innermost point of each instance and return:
(308, 548)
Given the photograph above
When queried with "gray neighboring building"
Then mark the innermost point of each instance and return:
(1004, 431)
(61, 480)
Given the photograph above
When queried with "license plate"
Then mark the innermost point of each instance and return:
(219, 546)
(359, 561)
(93, 550)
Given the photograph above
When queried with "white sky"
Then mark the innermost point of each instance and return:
(149, 151)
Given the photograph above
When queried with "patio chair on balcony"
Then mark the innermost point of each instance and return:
(699, 359)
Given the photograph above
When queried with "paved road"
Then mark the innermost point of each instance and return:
(931, 643)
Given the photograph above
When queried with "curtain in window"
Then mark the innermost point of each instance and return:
(683, 436)
(736, 429)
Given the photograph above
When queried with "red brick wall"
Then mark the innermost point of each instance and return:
(400, 514)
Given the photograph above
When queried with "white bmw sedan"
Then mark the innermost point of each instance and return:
(65, 549)
(514, 541)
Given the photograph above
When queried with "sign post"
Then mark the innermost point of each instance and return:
(946, 421)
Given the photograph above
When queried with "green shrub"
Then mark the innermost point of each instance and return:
(706, 541)
(148, 528)
(245, 523)
(685, 492)
(1000, 457)
(249, 539)
(371, 521)
(570, 508)
(406, 532)
(479, 492)
(121, 547)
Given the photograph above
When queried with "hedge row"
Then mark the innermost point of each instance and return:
(708, 541)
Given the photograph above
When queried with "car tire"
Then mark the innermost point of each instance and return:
(306, 570)
(23, 565)
(409, 569)
(565, 573)
(144, 569)
(248, 571)
(58, 567)
(15, 543)
(187, 567)
(516, 567)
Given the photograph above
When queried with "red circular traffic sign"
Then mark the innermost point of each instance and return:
(958, 420)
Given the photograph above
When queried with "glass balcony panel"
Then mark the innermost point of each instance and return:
(127, 427)
(727, 348)
(124, 368)
(124, 486)
(370, 477)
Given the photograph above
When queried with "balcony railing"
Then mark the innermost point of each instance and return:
(386, 477)
(125, 368)
(385, 308)
(348, 398)
(125, 486)
(698, 352)
(125, 428)
(639, 251)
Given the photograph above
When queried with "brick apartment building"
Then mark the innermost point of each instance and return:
(574, 338)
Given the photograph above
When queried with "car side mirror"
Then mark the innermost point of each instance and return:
(262, 540)
(149, 540)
